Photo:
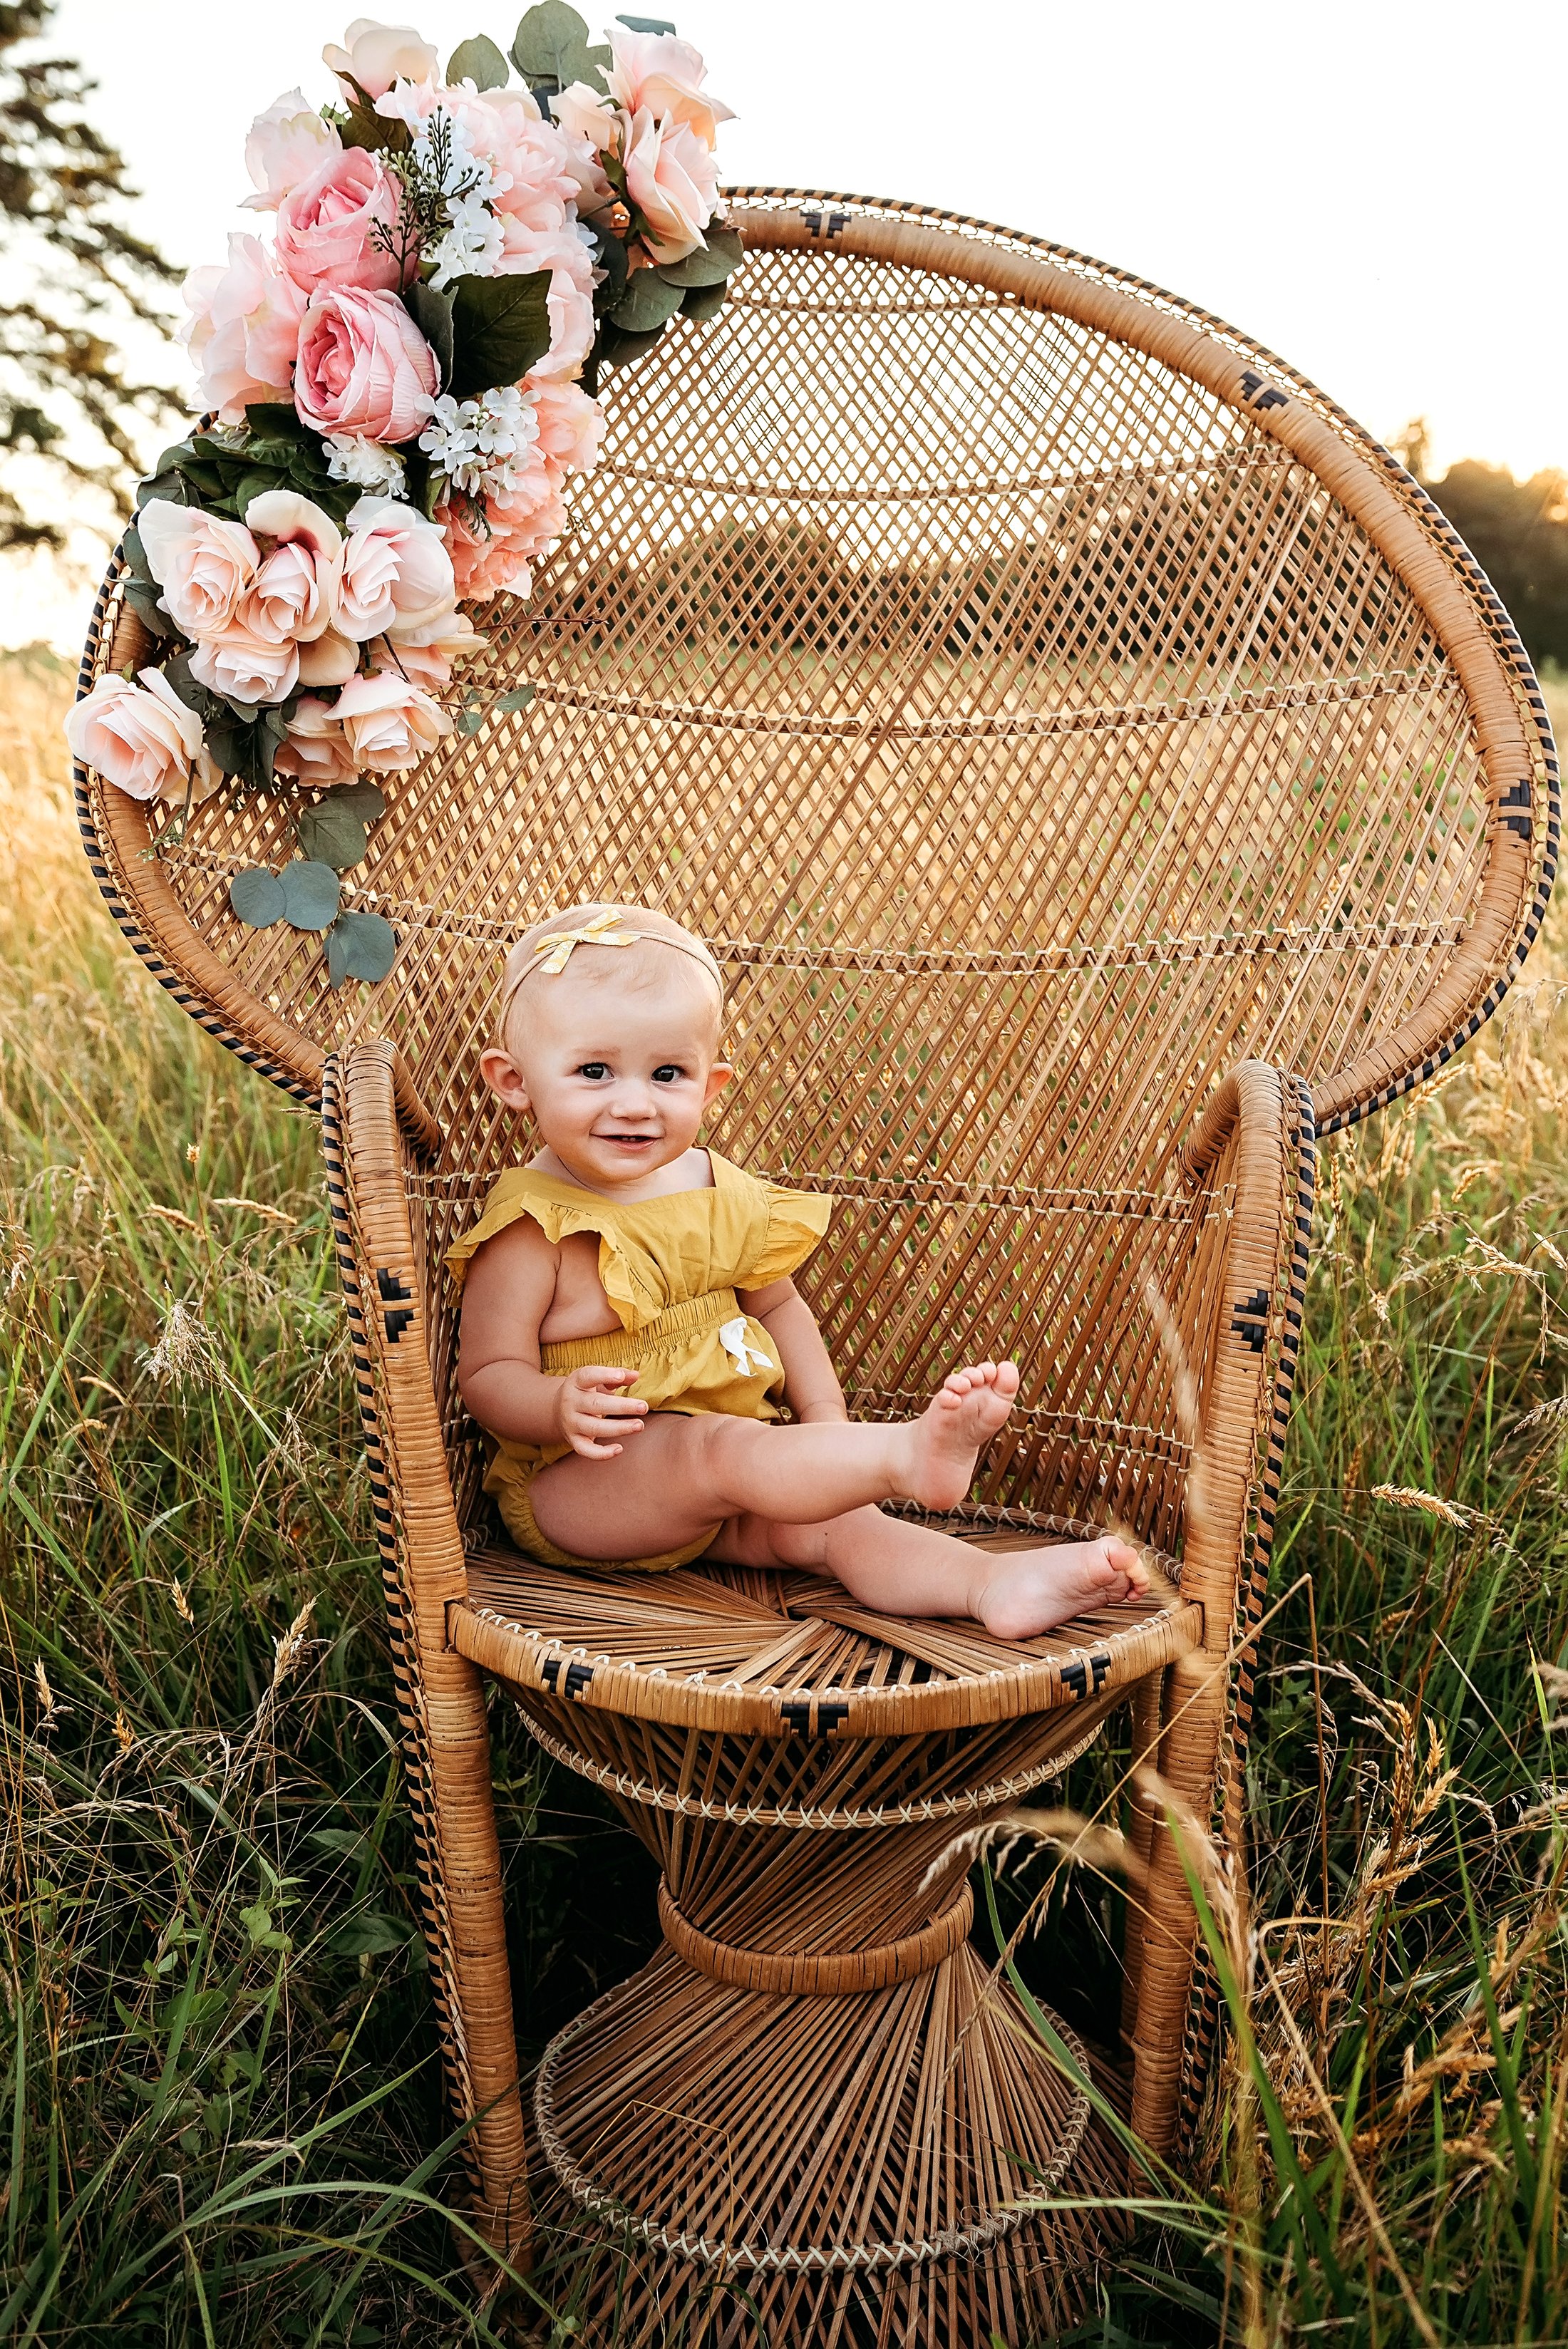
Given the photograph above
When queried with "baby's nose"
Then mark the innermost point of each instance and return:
(631, 1098)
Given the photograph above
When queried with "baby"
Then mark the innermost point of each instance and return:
(629, 1325)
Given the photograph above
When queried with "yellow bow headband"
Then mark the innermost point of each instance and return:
(554, 951)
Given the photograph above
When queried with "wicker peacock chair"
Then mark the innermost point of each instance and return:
(1095, 762)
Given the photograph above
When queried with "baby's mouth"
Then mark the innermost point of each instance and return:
(629, 1141)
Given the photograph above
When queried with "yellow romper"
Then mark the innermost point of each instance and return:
(669, 1268)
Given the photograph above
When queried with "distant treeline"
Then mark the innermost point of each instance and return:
(1518, 532)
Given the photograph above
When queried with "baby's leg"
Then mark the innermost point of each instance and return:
(904, 1570)
(676, 1477)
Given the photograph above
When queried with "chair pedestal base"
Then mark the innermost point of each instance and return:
(819, 2164)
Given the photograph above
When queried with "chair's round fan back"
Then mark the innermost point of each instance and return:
(1039, 697)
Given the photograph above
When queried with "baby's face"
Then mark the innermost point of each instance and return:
(617, 1077)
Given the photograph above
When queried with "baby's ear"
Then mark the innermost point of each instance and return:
(503, 1075)
(719, 1076)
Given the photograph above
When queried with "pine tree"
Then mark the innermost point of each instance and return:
(75, 276)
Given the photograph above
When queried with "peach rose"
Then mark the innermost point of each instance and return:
(328, 659)
(244, 666)
(204, 564)
(286, 144)
(656, 72)
(315, 747)
(670, 179)
(141, 738)
(496, 553)
(364, 366)
(376, 55)
(327, 227)
(388, 722)
(397, 572)
(243, 328)
(425, 654)
(296, 590)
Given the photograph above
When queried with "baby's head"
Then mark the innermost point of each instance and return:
(613, 1048)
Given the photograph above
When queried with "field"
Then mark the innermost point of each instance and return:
(221, 2085)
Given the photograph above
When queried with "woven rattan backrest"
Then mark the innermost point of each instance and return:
(1039, 696)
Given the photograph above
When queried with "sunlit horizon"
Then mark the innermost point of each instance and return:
(1372, 214)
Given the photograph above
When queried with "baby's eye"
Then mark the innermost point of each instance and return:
(668, 1074)
(594, 1070)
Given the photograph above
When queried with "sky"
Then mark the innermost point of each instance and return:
(1376, 191)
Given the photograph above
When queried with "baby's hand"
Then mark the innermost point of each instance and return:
(593, 1414)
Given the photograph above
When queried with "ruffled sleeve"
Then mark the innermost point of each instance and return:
(796, 1222)
(521, 1193)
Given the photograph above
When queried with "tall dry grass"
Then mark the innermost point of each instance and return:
(220, 2086)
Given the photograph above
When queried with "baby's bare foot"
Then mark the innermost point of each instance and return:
(940, 1447)
(1032, 1590)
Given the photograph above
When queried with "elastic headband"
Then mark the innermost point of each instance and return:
(554, 951)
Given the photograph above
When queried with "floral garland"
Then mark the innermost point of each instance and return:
(398, 388)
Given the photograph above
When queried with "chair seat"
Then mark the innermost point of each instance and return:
(742, 1650)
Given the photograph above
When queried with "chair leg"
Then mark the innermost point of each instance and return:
(440, 1694)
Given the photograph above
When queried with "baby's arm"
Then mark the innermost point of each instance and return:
(811, 1384)
(510, 1286)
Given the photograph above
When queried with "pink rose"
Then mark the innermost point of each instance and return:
(425, 654)
(364, 366)
(388, 722)
(141, 738)
(243, 328)
(654, 71)
(244, 666)
(670, 177)
(571, 425)
(286, 144)
(583, 113)
(327, 226)
(315, 748)
(295, 589)
(376, 55)
(203, 562)
(397, 572)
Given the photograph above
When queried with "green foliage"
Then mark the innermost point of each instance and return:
(310, 894)
(223, 469)
(432, 314)
(256, 895)
(1518, 532)
(479, 61)
(76, 279)
(335, 829)
(712, 262)
(360, 945)
(648, 300)
(550, 49)
(502, 326)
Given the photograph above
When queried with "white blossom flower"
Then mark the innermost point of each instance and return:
(485, 445)
(351, 457)
(472, 245)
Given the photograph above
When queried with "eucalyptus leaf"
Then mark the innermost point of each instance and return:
(500, 326)
(364, 799)
(276, 419)
(360, 945)
(646, 24)
(479, 61)
(616, 348)
(518, 699)
(431, 312)
(648, 300)
(550, 45)
(331, 834)
(470, 717)
(709, 265)
(310, 894)
(702, 302)
(257, 898)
